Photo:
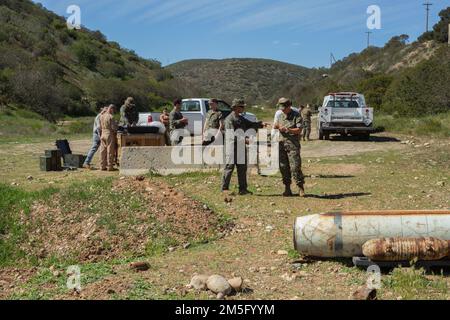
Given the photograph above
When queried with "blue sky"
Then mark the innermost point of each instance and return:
(296, 31)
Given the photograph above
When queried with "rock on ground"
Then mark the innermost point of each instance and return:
(218, 284)
(199, 282)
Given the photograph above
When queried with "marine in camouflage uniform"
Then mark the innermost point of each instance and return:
(129, 116)
(235, 121)
(290, 126)
(307, 121)
(213, 123)
(176, 122)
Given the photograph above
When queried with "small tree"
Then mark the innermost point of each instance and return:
(440, 30)
(85, 55)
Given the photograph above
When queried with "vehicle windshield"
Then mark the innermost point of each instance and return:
(223, 106)
(342, 104)
(191, 106)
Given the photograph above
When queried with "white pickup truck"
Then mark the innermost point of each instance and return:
(345, 113)
(194, 110)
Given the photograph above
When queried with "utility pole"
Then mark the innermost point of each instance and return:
(368, 38)
(332, 59)
(428, 5)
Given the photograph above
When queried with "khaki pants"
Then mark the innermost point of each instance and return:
(107, 150)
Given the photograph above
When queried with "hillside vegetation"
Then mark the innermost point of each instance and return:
(54, 71)
(257, 80)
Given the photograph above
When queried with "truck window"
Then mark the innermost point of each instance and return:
(191, 106)
(342, 104)
(224, 107)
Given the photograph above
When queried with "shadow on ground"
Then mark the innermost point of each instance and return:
(322, 197)
(377, 139)
(330, 176)
(338, 196)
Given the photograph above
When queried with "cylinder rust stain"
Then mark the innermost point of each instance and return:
(406, 249)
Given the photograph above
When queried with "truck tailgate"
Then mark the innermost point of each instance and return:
(350, 115)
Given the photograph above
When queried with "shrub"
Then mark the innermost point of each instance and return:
(422, 90)
(374, 89)
(85, 55)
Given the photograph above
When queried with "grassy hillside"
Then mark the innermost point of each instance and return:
(257, 80)
(54, 71)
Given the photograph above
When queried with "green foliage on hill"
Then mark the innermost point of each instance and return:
(440, 30)
(54, 71)
(423, 90)
(257, 80)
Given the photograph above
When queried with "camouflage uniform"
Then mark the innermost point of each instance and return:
(175, 123)
(212, 122)
(233, 122)
(213, 119)
(290, 160)
(306, 115)
(129, 115)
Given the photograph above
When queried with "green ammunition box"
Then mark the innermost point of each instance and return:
(74, 160)
(46, 163)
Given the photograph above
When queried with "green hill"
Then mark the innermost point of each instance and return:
(53, 71)
(257, 80)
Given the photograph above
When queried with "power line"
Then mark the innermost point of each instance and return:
(428, 5)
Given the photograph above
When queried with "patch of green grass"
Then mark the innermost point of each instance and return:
(22, 125)
(410, 283)
(433, 126)
(42, 286)
(13, 202)
(293, 254)
(141, 290)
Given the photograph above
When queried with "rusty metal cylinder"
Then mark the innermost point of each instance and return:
(342, 234)
(406, 249)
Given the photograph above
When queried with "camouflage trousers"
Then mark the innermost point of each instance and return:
(228, 173)
(306, 130)
(291, 163)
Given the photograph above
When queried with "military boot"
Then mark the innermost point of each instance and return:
(287, 191)
(302, 191)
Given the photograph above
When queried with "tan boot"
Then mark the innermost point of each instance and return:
(302, 191)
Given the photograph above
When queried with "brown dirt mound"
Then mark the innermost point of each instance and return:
(163, 217)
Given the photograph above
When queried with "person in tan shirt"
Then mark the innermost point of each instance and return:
(108, 146)
(164, 118)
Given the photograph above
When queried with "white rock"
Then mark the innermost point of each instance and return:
(236, 283)
(199, 282)
(219, 284)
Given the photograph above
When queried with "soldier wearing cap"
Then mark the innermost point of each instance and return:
(290, 127)
(307, 121)
(235, 121)
(213, 123)
(129, 116)
(177, 122)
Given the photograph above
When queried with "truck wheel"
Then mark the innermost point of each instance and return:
(327, 136)
(321, 136)
(366, 137)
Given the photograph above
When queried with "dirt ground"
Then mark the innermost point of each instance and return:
(389, 172)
